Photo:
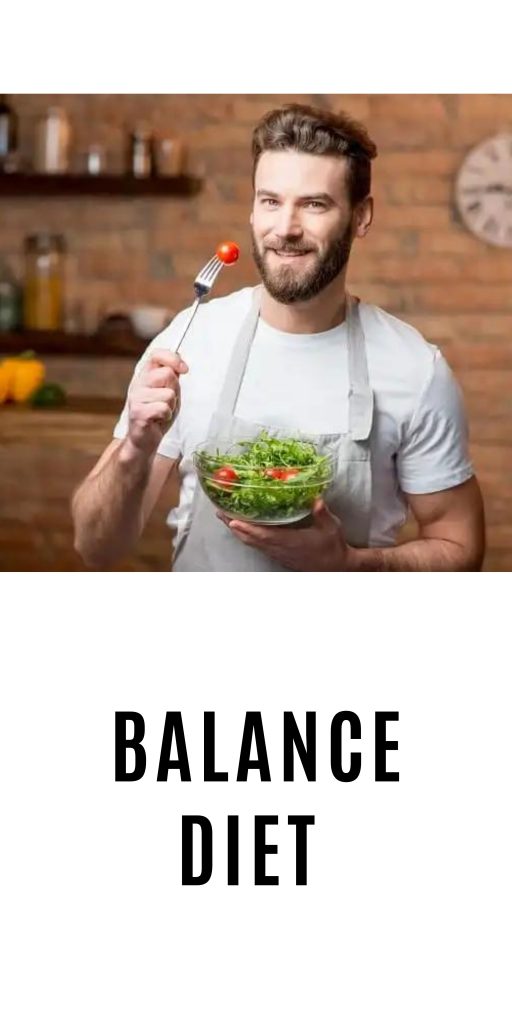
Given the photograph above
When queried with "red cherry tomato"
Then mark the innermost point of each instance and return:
(280, 473)
(228, 252)
(226, 476)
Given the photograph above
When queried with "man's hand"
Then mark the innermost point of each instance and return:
(154, 400)
(319, 547)
(451, 538)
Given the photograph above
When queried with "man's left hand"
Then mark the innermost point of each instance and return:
(318, 547)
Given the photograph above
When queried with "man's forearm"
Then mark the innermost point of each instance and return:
(423, 555)
(107, 508)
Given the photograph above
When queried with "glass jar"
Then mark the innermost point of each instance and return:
(10, 300)
(8, 131)
(141, 155)
(95, 160)
(43, 300)
(169, 157)
(53, 134)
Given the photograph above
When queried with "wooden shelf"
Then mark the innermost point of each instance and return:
(62, 344)
(123, 186)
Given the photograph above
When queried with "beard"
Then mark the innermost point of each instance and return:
(287, 284)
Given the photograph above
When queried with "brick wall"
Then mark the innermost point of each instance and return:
(418, 262)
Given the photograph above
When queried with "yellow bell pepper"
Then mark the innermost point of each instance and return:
(20, 377)
(5, 380)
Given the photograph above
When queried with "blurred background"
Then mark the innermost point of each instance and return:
(109, 205)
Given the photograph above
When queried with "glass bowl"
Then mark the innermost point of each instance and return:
(280, 491)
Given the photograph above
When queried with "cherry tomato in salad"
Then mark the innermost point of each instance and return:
(226, 476)
(228, 252)
(281, 473)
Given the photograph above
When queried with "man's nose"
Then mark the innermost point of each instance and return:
(287, 223)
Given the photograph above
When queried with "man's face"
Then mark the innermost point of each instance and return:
(302, 224)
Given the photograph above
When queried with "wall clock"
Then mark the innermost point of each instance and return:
(483, 190)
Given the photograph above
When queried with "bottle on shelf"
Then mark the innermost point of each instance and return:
(95, 162)
(141, 163)
(53, 137)
(8, 131)
(10, 300)
(43, 299)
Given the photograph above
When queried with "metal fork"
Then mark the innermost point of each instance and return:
(202, 285)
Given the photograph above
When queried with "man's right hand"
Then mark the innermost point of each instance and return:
(154, 400)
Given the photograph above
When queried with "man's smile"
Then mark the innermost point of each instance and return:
(284, 255)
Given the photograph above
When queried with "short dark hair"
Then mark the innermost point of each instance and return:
(306, 129)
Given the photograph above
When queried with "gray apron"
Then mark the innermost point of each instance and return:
(207, 544)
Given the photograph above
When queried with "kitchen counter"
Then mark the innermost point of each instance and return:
(78, 414)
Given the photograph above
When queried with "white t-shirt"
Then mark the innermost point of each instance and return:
(300, 382)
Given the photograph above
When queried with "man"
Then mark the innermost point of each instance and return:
(297, 355)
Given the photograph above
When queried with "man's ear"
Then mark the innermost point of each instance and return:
(363, 217)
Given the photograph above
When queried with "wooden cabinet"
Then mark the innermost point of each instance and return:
(43, 456)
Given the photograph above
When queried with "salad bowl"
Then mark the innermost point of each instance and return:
(273, 481)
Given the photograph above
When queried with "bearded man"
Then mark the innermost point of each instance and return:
(297, 355)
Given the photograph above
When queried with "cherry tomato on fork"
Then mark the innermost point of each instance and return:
(228, 252)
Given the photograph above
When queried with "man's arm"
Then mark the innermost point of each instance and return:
(451, 535)
(112, 505)
(451, 528)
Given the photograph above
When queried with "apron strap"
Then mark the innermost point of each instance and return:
(360, 396)
(236, 369)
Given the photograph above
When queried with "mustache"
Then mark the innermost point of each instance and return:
(292, 247)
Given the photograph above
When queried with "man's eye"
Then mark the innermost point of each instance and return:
(267, 201)
(315, 205)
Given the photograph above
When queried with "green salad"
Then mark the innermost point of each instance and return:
(267, 479)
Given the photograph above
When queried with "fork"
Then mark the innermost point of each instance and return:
(202, 285)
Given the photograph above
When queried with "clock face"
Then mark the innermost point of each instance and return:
(483, 190)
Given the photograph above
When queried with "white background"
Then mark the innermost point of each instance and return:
(405, 914)
(219, 46)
